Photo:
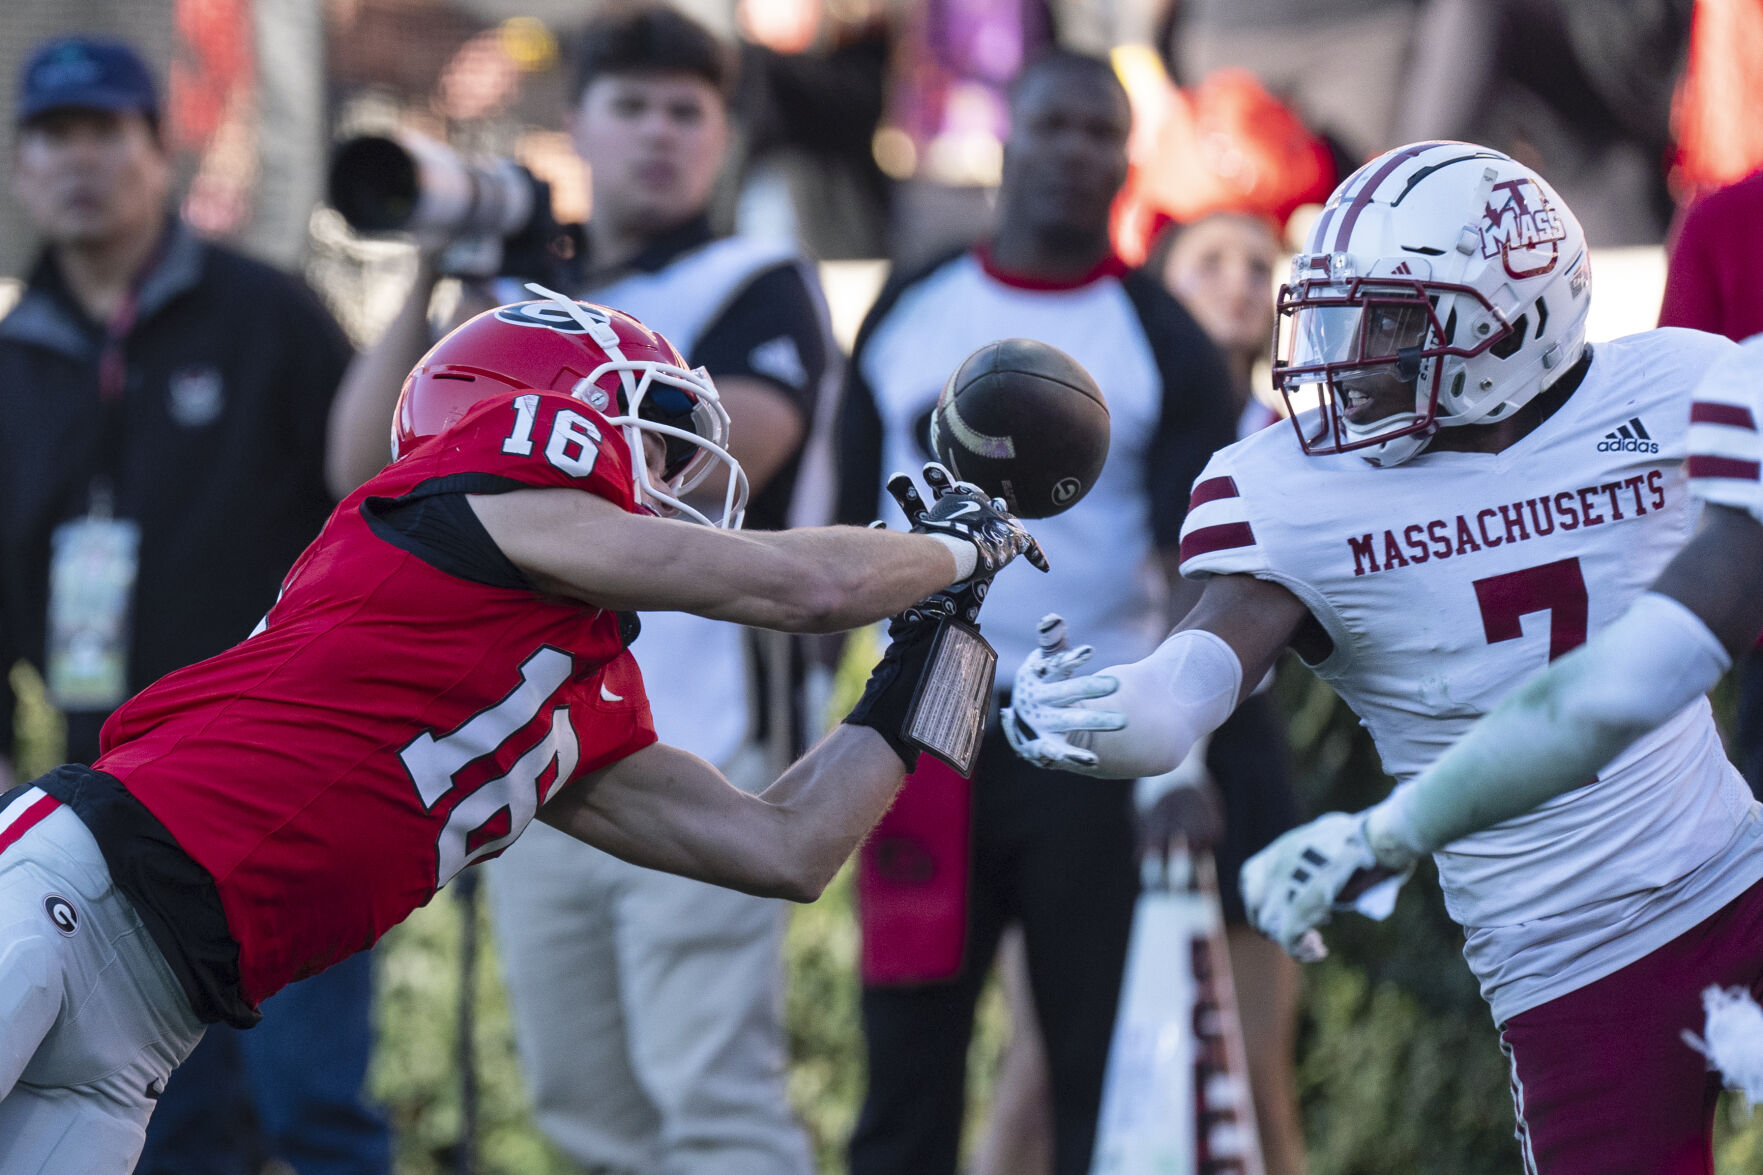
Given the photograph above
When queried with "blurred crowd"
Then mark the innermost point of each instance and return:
(1120, 177)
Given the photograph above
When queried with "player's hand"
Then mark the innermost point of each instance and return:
(1046, 704)
(1298, 882)
(962, 510)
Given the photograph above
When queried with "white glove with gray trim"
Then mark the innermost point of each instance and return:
(1045, 704)
(1298, 882)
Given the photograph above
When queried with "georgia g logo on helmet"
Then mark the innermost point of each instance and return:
(1524, 231)
(553, 316)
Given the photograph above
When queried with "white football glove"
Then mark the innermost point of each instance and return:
(1046, 704)
(1295, 884)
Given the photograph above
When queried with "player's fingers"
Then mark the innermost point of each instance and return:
(1076, 689)
(937, 478)
(1035, 557)
(905, 492)
(1252, 884)
(1055, 754)
(1063, 665)
(1073, 718)
(1051, 632)
(1309, 948)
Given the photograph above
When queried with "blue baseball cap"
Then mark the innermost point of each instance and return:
(88, 73)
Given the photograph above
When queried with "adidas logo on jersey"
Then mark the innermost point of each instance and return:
(1630, 438)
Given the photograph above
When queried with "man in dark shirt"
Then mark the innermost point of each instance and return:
(163, 408)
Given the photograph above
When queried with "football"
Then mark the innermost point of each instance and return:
(1025, 422)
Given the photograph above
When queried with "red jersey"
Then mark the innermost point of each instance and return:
(389, 723)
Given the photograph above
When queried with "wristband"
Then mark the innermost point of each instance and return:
(931, 690)
(966, 555)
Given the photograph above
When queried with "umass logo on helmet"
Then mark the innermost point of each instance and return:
(1524, 231)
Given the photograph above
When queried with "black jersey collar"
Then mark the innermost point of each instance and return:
(663, 249)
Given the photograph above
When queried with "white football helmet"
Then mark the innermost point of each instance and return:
(1444, 284)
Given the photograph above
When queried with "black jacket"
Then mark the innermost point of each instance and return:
(218, 437)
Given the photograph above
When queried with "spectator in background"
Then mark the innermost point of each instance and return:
(1581, 88)
(1221, 269)
(648, 1007)
(1712, 283)
(946, 115)
(163, 407)
(1221, 266)
(1055, 858)
(810, 112)
(1353, 102)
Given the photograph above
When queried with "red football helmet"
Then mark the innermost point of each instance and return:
(628, 373)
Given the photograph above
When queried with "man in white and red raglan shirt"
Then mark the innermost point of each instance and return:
(1058, 861)
(447, 660)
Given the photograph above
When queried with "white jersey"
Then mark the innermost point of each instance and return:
(1446, 580)
(1725, 446)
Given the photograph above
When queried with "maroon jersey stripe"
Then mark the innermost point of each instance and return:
(1730, 467)
(1211, 490)
(1216, 538)
(1737, 415)
(27, 820)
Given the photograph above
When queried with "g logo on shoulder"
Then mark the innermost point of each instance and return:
(62, 913)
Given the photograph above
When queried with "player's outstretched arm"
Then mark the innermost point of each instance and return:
(664, 808)
(1138, 720)
(821, 579)
(1551, 735)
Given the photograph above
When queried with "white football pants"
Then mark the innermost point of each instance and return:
(92, 1020)
(647, 1013)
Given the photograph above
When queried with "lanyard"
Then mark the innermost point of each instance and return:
(112, 365)
(113, 381)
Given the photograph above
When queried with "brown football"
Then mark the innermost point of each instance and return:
(1025, 422)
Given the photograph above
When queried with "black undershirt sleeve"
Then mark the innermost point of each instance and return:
(435, 523)
(770, 331)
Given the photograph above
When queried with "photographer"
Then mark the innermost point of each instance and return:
(665, 991)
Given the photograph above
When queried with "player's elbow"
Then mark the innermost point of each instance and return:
(796, 879)
(806, 886)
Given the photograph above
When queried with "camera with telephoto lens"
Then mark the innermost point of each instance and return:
(494, 214)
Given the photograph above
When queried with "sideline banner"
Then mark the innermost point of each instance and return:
(1176, 1097)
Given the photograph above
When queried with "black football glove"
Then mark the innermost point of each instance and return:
(963, 510)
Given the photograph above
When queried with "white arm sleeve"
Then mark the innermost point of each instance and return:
(1182, 691)
(1558, 729)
